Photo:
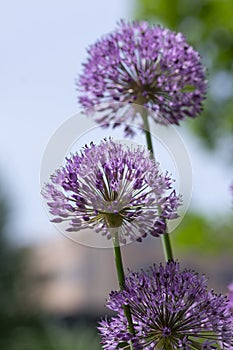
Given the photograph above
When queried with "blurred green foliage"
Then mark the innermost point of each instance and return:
(10, 261)
(54, 338)
(208, 26)
(198, 234)
(20, 327)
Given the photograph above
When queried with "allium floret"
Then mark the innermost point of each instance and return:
(111, 185)
(146, 65)
(171, 309)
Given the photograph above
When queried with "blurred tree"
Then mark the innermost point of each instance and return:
(56, 338)
(20, 327)
(10, 269)
(208, 26)
(206, 245)
(202, 236)
(8, 264)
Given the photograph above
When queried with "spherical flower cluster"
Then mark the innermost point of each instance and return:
(145, 65)
(112, 186)
(171, 309)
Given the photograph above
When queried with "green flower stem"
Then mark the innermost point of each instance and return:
(121, 280)
(118, 261)
(111, 222)
(167, 249)
(147, 133)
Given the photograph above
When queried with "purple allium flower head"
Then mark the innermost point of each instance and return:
(171, 309)
(145, 65)
(111, 185)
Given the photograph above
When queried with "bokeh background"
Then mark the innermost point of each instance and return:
(52, 291)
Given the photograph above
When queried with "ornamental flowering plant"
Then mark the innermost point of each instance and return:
(146, 65)
(121, 193)
(171, 309)
(110, 185)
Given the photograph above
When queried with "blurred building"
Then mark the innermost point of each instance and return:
(67, 278)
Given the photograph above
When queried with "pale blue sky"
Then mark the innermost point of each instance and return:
(42, 46)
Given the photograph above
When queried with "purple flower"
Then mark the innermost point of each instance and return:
(171, 309)
(112, 186)
(230, 303)
(146, 65)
